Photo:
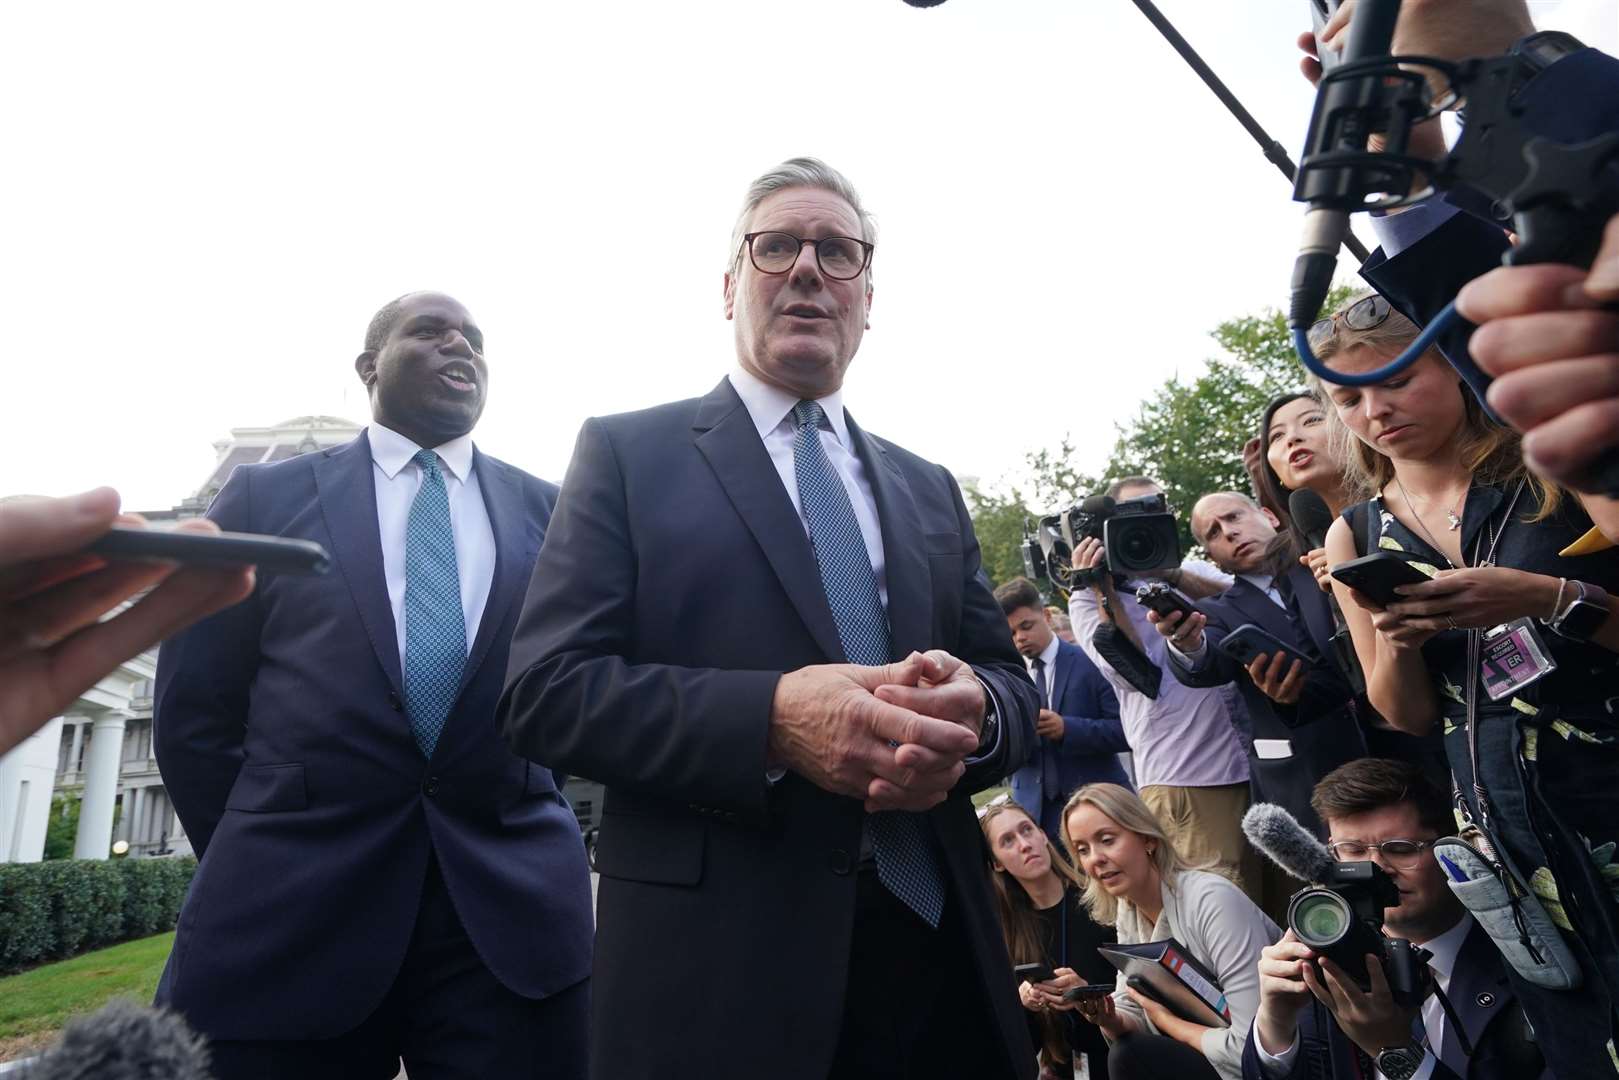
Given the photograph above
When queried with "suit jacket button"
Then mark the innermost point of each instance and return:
(394, 703)
(430, 786)
(840, 862)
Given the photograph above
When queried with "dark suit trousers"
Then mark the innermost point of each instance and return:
(446, 1016)
(914, 1007)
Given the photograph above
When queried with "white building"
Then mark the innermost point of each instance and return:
(100, 750)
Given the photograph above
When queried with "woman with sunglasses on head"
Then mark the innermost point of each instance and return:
(1038, 895)
(1137, 882)
(1447, 492)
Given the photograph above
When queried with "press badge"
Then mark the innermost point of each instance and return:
(1513, 656)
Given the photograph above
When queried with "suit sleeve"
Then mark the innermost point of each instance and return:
(574, 701)
(1099, 732)
(200, 704)
(985, 642)
(1213, 668)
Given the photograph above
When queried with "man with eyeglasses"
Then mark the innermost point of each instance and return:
(1311, 1013)
(768, 634)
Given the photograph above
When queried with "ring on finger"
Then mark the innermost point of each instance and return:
(1450, 620)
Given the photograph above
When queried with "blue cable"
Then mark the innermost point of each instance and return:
(1430, 333)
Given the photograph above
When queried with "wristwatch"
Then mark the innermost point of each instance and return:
(1401, 1062)
(1581, 617)
(1540, 51)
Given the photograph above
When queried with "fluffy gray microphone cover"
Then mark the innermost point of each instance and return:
(124, 1041)
(1281, 839)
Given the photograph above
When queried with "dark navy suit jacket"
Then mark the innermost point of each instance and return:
(676, 585)
(1491, 1017)
(1092, 738)
(1322, 726)
(279, 729)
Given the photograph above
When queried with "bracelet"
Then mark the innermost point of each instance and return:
(1557, 606)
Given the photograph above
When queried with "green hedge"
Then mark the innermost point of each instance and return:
(51, 910)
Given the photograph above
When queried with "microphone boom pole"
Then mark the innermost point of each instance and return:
(1273, 150)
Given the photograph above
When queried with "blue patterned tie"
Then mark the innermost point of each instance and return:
(905, 864)
(435, 628)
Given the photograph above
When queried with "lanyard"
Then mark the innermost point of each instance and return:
(1479, 797)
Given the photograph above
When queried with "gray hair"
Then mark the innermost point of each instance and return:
(796, 172)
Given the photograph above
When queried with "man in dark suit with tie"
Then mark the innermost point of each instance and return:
(1079, 729)
(1302, 722)
(767, 633)
(1315, 1023)
(381, 878)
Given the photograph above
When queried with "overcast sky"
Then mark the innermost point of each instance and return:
(204, 203)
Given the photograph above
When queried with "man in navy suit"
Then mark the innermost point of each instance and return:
(1315, 1023)
(1301, 718)
(767, 633)
(381, 878)
(1079, 729)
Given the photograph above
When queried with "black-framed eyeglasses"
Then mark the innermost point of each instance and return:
(1363, 314)
(1397, 852)
(839, 257)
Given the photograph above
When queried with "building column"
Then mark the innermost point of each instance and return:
(78, 748)
(105, 759)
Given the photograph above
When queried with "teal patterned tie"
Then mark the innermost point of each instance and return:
(905, 863)
(435, 628)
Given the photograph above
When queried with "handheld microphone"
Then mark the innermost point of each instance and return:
(124, 1041)
(1281, 839)
(1309, 512)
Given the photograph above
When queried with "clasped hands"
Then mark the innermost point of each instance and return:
(895, 736)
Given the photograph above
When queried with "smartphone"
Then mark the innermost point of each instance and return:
(1034, 973)
(1088, 992)
(1378, 574)
(272, 554)
(1156, 596)
(1249, 641)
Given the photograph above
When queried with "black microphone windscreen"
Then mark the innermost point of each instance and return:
(1097, 504)
(1281, 839)
(1310, 514)
(924, 3)
(124, 1041)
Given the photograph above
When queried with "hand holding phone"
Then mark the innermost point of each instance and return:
(1087, 992)
(1377, 575)
(1034, 973)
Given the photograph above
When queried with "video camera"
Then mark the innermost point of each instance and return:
(1138, 535)
(1342, 919)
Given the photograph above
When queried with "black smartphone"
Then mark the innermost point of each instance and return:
(1159, 597)
(1088, 992)
(1248, 641)
(1034, 973)
(272, 554)
(1378, 574)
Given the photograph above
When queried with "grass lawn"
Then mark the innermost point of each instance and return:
(35, 1004)
(979, 801)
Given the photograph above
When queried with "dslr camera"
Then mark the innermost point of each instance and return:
(1342, 919)
(1139, 536)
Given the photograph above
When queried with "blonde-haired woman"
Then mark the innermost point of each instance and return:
(1137, 881)
(1446, 489)
(1038, 895)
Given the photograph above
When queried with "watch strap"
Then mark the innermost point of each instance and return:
(1545, 48)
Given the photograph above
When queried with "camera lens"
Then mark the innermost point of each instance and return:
(1319, 917)
(1141, 548)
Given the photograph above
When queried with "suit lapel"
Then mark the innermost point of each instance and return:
(910, 591)
(1059, 675)
(728, 440)
(1261, 609)
(1478, 989)
(1312, 605)
(348, 502)
(517, 534)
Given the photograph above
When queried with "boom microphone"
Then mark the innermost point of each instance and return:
(1281, 839)
(1309, 512)
(124, 1041)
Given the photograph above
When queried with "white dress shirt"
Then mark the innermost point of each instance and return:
(398, 479)
(1445, 949)
(771, 410)
(1049, 657)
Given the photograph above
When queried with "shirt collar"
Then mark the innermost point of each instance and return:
(392, 452)
(769, 405)
(1048, 654)
(1448, 946)
(1262, 582)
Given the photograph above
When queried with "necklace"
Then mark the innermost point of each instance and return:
(1455, 522)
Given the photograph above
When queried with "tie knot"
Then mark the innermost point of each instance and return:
(1039, 663)
(427, 461)
(809, 414)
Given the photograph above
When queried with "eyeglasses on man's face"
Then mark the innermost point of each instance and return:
(1363, 314)
(839, 257)
(1402, 853)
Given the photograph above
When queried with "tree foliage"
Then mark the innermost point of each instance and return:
(1188, 434)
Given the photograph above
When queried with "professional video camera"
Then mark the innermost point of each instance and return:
(1138, 535)
(1342, 919)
